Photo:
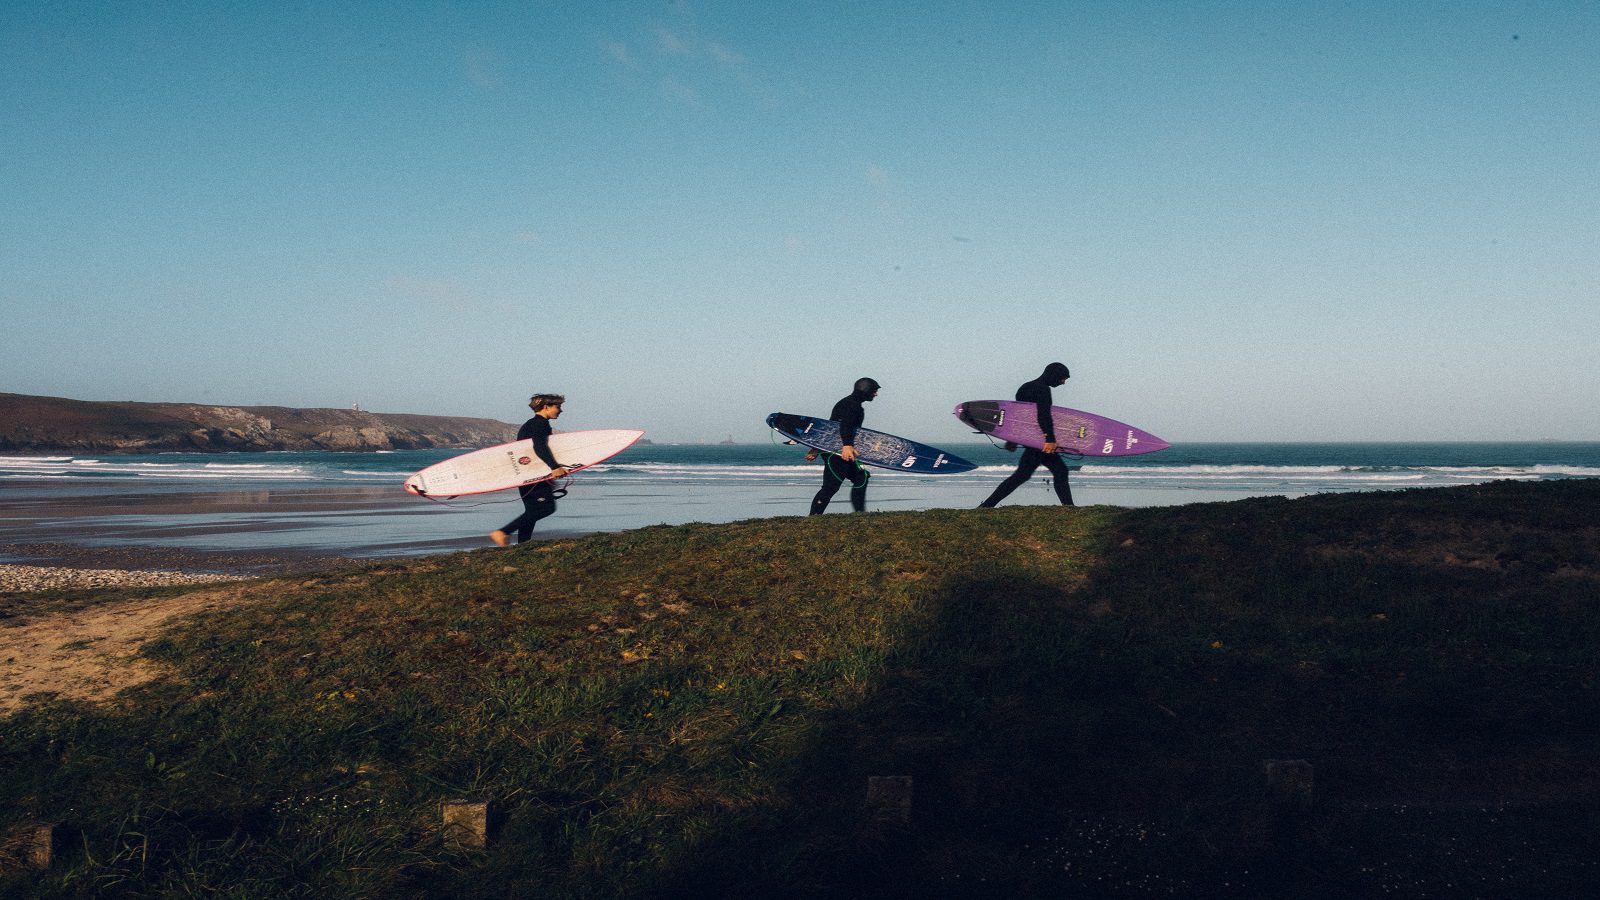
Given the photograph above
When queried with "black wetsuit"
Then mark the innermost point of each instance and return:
(849, 413)
(1036, 392)
(538, 500)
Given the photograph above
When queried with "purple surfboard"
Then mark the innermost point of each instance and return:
(1076, 431)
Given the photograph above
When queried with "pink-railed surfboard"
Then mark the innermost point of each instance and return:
(1076, 430)
(512, 465)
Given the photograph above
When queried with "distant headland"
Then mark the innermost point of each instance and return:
(55, 424)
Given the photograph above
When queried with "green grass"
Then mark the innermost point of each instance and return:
(1084, 697)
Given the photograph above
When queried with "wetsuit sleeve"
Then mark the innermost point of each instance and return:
(1039, 395)
(539, 429)
(849, 416)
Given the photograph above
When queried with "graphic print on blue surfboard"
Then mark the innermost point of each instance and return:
(873, 448)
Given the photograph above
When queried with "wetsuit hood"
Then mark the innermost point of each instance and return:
(1056, 373)
(865, 388)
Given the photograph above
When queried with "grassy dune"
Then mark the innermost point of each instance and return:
(1083, 697)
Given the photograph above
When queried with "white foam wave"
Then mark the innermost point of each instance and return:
(238, 466)
(222, 476)
(115, 467)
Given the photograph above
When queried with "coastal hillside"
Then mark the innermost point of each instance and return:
(1019, 702)
(58, 425)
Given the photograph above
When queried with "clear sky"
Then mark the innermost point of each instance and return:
(1233, 220)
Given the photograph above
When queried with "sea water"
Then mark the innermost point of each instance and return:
(353, 503)
(1259, 469)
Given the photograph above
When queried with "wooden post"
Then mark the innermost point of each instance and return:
(889, 799)
(466, 824)
(42, 850)
(28, 847)
(1289, 784)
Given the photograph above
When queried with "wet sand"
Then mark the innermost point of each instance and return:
(233, 532)
(276, 530)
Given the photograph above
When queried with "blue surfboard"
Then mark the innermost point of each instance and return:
(873, 448)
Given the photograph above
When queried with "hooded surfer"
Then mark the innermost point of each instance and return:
(539, 499)
(841, 467)
(1037, 392)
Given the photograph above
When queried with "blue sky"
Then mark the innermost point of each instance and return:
(1234, 221)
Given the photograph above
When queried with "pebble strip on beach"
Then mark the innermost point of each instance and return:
(17, 579)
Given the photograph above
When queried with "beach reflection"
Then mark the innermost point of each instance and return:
(365, 521)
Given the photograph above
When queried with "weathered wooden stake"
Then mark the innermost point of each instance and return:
(1289, 784)
(466, 824)
(889, 799)
(28, 847)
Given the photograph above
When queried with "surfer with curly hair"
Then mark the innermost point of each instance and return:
(1037, 392)
(539, 499)
(842, 466)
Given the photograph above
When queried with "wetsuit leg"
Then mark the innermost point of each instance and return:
(830, 486)
(1059, 472)
(834, 473)
(1030, 462)
(858, 485)
(538, 501)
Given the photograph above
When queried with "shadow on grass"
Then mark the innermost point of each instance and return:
(1028, 733)
(1107, 737)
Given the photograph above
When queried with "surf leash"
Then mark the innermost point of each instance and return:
(866, 476)
(447, 501)
(1011, 447)
(1007, 446)
(560, 488)
(828, 457)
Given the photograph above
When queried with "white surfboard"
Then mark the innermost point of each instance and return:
(513, 465)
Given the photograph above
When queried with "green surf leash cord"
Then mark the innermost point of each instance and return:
(773, 435)
(865, 475)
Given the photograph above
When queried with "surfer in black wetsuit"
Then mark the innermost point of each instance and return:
(538, 500)
(1037, 392)
(842, 466)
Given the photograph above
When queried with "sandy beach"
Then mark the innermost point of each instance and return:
(169, 536)
(263, 531)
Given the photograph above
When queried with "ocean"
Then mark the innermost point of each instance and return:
(352, 504)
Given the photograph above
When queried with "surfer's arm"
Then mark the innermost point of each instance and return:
(541, 446)
(1039, 395)
(849, 416)
(548, 458)
(848, 423)
(1047, 425)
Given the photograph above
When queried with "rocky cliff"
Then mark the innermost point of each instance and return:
(55, 424)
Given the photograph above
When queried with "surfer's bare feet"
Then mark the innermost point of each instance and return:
(500, 538)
